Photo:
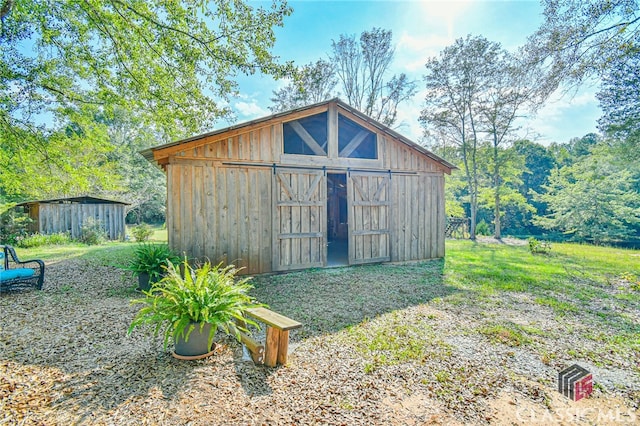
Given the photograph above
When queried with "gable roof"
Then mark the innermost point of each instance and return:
(155, 153)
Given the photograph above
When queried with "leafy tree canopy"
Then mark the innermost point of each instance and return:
(596, 198)
(170, 63)
(312, 83)
(619, 99)
(580, 38)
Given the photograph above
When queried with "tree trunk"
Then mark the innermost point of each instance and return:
(496, 182)
(473, 195)
(470, 187)
(472, 226)
(496, 222)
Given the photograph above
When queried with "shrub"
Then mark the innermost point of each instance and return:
(142, 232)
(13, 226)
(37, 240)
(482, 228)
(92, 232)
(539, 247)
(152, 259)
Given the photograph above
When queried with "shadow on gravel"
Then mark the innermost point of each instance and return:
(68, 345)
(328, 300)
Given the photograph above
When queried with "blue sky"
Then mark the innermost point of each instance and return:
(421, 29)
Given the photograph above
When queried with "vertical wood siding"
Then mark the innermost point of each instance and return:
(69, 217)
(398, 156)
(222, 214)
(417, 209)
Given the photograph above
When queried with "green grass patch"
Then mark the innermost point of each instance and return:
(38, 240)
(559, 307)
(510, 335)
(56, 247)
(112, 253)
(568, 279)
(158, 233)
(492, 268)
(582, 284)
(392, 340)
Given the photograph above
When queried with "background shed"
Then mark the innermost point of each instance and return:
(318, 186)
(68, 215)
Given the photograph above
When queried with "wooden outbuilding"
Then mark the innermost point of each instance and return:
(69, 214)
(317, 186)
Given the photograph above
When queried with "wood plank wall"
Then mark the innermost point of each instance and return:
(417, 217)
(254, 145)
(222, 214)
(398, 156)
(61, 217)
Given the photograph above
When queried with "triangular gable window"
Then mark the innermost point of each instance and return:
(307, 136)
(354, 141)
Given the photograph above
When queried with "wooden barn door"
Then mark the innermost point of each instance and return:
(369, 221)
(300, 225)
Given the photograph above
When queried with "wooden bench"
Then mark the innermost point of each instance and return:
(19, 275)
(276, 347)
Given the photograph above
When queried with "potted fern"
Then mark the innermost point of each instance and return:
(188, 305)
(149, 262)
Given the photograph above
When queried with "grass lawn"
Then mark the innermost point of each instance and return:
(475, 338)
(599, 286)
(112, 253)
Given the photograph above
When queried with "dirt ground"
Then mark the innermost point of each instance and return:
(65, 358)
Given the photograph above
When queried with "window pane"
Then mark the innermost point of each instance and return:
(354, 141)
(307, 136)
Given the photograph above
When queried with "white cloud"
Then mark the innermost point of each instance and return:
(250, 109)
(413, 51)
(429, 28)
(565, 117)
(445, 14)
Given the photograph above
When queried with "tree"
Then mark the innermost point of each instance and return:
(455, 81)
(172, 64)
(361, 68)
(511, 88)
(618, 96)
(580, 38)
(312, 83)
(476, 92)
(499, 190)
(579, 147)
(70, 160)
(538, 163)
(596, 198)
(142, 184)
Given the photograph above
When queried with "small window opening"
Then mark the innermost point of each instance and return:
(306, 136)
(354, 141)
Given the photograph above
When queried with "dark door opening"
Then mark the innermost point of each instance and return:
(337, 220)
